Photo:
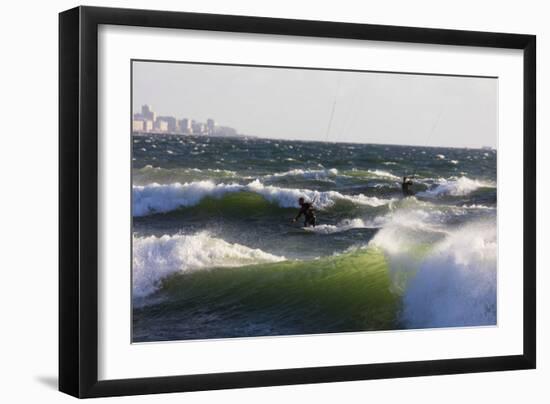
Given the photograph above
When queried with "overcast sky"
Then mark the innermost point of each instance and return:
(297, 103)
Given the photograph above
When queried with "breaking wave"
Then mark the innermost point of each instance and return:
(456, 284)
(155, 258)
(456, 187)
(446, 277)
(161, 198)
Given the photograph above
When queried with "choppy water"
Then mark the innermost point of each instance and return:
(215, 254)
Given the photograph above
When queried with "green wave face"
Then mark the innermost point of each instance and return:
(244, 204)
(237, 205)
(349, 292)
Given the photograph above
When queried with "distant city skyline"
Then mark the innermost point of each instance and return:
(148, 121)
(282, 103)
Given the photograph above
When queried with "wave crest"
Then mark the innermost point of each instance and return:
(155, 198)
(460, 186)
(372, 174)
(456, 285)
(447, 276)
(306, 173)
(159, 198)
(155, 258)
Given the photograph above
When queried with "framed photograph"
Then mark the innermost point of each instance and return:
(251, 201)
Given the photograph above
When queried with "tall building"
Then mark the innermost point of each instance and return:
(146, 117)
(210, 126)
(171, 122)
(147, 114)
(185, 126)
(161, 126)
(148, 125)
(138, 125)
(198, 128)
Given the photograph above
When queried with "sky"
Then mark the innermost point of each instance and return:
(365, 107)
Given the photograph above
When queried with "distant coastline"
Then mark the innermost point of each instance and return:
(217, 135)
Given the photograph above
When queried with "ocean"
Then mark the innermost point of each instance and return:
(215, 254)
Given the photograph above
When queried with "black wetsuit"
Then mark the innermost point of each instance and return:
(406, 187)
(307, 210)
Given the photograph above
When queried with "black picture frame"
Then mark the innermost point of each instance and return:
(78, 201)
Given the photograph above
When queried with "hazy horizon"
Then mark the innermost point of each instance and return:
(297, 104)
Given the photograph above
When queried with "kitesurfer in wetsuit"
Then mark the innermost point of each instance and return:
(406, 186)
(306, 209)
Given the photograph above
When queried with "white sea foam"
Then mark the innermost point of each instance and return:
(157, 198)
(384, 174)
(288, 197)
(456, 187)
(478, 206)
(309, 174)
(347, 224)
(155, 258)
(447, 277)
(456, 284)
(409, 226)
